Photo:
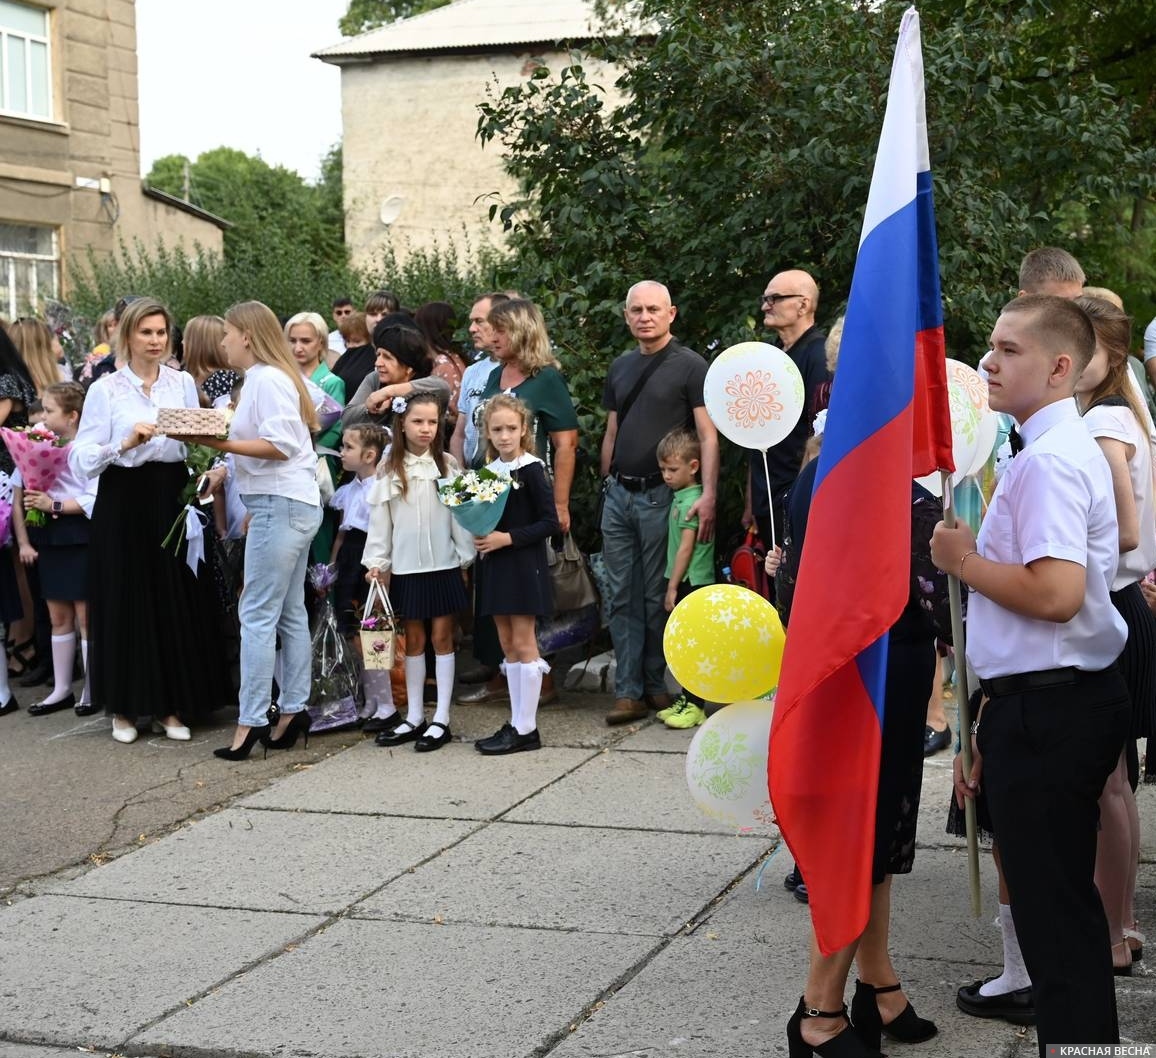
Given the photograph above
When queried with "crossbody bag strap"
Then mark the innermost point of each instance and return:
(636, 390)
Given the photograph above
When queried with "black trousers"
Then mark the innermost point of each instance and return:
(1046, 756)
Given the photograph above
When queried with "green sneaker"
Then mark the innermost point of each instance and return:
(676, 706)
(689, 716)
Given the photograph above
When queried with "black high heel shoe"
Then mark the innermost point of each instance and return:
(907, 1027)
(25, 653)
(255, 735)
(299, 724)
(845, 1045)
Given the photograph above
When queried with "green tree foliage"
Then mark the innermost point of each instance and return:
(369, 14)
(272, 210)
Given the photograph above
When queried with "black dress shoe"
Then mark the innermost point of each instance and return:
(793, 880)
(801, 893)
(400, 738)
(507, 740)
(1018, 1007)
(9, 706)
(44, 708)
(381, 723)
(934, 741)
(41, 673)
(427, 743)
(87, 709)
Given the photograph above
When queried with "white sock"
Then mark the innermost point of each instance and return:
(512, 670)
(532, 673)
(378, 693)
(5, 690)
(444, 671)
(414, 686)
(1015, 974)
(86, 694)
(63, 658)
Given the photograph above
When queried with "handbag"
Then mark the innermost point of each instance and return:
(573, 585)
(378, 643)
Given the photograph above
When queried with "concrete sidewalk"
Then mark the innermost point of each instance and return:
(569, 902)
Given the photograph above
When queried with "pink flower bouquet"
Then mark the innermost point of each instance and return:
(40, 455)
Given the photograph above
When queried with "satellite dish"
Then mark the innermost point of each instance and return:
(391, 209)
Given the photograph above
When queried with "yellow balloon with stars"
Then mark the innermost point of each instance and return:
(725, 643)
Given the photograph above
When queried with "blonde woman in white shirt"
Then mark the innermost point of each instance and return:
(154, 626)
(270, 440)
(1116, 419)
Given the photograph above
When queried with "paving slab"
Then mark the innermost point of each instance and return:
(399, 782)
(604, 791)
(112, 966)
(405, 990)
(21, 1050)
(656, 737)
(546, 877)
(272, 861)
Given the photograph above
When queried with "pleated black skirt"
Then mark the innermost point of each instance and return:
(154, 628)
(416, 596)
(1138, 661)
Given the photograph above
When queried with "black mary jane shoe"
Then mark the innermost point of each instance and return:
(428, 742)
(381, 723)
(1017, 1007)
(45, 708)
(86, 709)
(507, 740)
(907, 1027)
(9, 706)
(793, 880)
(400, 738)
(934, 741)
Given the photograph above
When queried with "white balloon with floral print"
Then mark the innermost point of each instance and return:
(754, 394)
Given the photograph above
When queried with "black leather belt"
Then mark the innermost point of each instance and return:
(633, 484)
(1001, 686)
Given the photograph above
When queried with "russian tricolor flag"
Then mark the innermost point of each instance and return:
(888, 423)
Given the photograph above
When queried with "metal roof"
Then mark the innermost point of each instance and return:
(473, 24)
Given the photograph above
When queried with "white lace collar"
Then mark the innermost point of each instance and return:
(500, 466)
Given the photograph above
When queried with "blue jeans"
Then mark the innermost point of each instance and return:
(634, 530)
(272, 602)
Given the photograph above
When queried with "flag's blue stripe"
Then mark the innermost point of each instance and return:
(872, 664)
(875, 378)
(930, 303)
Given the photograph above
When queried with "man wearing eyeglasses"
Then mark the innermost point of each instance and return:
(789, 304)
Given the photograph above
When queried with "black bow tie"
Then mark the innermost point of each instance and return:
(1016, 442)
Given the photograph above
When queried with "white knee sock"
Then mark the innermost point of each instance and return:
(414, 686)
(531, 681)
(86, 694)
(5, 690)
(1015, 974)
(63, 658)
(512, 670)
(444, 671)
(378, 693)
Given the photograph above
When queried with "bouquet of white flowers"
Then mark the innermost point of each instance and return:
(477, 498)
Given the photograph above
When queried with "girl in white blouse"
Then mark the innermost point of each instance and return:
(270, 439)
(154, 626)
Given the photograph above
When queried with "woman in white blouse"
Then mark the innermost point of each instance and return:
(155, 646)
(276, 478)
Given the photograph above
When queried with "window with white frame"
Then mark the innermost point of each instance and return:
(25, 71)
(29, 268)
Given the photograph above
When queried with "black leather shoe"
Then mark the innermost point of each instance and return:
(793, 880)
(1018, 1007)
(9, 706)
(507, 740)
(428, 742)
(44, 708)
(381, 723)
(400, 738)
(41, 673)
(934, 741)
(87, 709)
(801, 893)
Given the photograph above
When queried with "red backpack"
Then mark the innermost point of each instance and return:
(748, 565)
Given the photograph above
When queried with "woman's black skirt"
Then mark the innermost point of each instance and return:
(154, 627)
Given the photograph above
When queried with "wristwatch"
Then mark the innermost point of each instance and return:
(57, 508)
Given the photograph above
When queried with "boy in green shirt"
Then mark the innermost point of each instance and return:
(689, 564)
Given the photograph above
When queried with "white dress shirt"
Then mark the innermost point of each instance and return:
(1054, 501)
(1120, 424)
(68, 487)
(270, 409)
(113, 406)
(352, 500)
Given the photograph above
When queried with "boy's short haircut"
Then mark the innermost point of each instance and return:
(341, 302)
(1049, 264)
(680, 444)
(369, 435)
(1061, 324)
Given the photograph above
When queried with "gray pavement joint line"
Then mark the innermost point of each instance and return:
(646, 959)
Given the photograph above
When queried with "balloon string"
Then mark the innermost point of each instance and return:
(765, 864)
(770, 499)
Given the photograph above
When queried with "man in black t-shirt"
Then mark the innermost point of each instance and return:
(789, 305)
(649, 391)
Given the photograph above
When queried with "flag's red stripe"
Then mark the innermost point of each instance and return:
(931, 442)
